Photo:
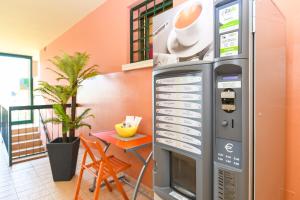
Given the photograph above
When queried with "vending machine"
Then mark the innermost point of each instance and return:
(183, 131)
(219, 101)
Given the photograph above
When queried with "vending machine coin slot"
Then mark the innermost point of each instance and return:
(228, 100)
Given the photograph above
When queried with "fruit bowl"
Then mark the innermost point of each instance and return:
(125, 131)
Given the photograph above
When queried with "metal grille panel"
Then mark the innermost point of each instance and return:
(226, 185)
(141, 20)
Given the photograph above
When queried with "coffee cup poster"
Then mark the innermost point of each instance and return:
(184, 33)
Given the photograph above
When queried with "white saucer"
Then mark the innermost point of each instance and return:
(181, 51)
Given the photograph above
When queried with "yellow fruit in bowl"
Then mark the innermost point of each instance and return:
(125, 131)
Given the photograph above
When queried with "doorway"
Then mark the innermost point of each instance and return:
(16, 84)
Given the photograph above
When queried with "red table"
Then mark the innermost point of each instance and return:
(108, 138)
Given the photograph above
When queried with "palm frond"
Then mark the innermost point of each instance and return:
(89, 75)
(88, 70)
(60, 94)
(60, 75)
(61, 113)
(64, 64)
(73, 68)
(84, 115)
(50, 100)
(83, 124)
(48, 95)
(53, 120)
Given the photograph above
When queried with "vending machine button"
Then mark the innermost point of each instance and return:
(224, 123)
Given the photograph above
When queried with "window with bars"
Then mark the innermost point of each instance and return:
(141, 20)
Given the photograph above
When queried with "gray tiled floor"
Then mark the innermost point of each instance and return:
(33, 180)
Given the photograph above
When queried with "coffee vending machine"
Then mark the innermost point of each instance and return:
(219, 101)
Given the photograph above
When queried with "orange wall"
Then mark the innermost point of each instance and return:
(104, 34)
(293, 109)
(291, 11)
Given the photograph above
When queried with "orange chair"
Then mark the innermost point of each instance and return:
(102, 168)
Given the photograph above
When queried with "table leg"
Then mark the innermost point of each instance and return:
(93, 186)
(141, 175)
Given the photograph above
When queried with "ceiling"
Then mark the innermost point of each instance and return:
(26, 26)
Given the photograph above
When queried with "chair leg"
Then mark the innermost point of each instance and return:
(119, 186)
(98, 185)
(107, 185)
(78, 184)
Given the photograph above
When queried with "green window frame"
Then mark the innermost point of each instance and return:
(30, 120)
(141, 17)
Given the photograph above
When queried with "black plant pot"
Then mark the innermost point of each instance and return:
(63, 158)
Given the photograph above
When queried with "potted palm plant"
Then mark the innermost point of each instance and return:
(63, 151)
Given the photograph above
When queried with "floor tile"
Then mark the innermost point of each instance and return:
(33, 181)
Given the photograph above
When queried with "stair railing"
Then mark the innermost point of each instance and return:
(24, 131)
(4, 126)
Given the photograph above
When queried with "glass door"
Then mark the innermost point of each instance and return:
(16, 85)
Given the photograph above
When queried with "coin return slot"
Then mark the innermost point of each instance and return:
(228, 100)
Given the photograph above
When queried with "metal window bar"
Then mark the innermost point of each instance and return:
(140, 26)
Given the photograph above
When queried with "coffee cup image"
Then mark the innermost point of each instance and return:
(191, 22)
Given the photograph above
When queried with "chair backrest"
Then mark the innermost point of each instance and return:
(90, 144)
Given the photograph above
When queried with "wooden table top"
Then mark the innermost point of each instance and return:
(109, 137)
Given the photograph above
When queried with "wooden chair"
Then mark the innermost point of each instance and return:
(102, 168)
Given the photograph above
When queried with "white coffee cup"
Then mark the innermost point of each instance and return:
(194, 31)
